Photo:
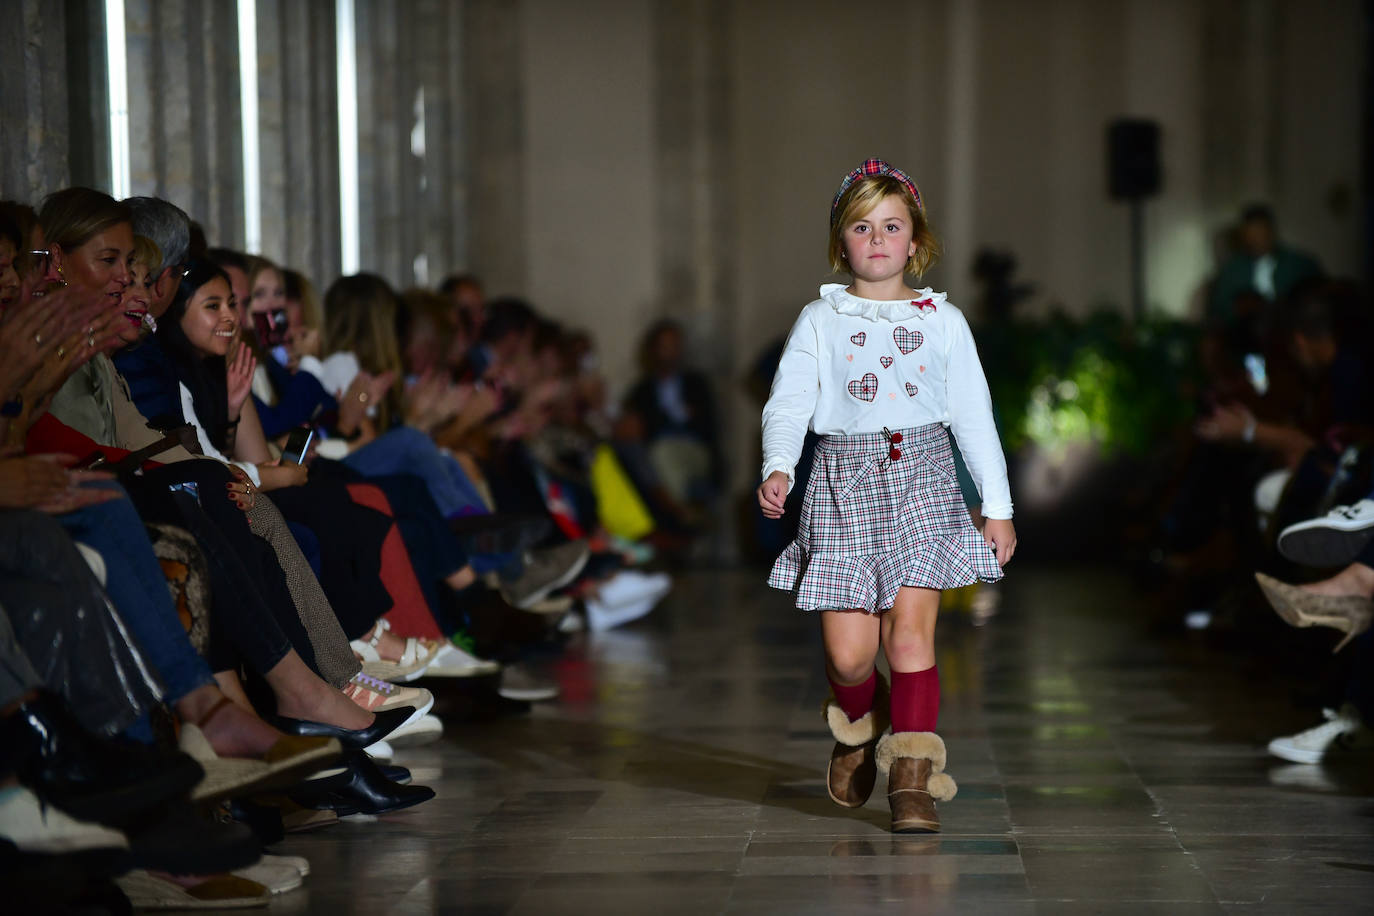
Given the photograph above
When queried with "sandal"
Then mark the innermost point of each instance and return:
(411, 665)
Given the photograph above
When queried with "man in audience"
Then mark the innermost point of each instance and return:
(1261, 265)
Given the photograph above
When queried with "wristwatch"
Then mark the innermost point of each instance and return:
(12, 409)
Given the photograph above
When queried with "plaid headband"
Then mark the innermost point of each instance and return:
(870, 168)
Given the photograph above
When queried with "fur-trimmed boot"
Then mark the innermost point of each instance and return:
(853, 770)
(915, 766)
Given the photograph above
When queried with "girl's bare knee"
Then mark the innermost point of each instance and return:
(850, 665)
(909, 648)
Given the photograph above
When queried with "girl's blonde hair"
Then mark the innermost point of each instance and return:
(860, 199)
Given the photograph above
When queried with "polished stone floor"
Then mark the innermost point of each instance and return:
(1101, 770)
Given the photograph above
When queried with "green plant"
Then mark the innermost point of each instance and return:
(1062, 380)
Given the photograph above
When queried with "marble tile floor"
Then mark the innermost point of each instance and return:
(1100, 770)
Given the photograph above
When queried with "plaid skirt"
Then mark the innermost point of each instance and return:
(871, 524)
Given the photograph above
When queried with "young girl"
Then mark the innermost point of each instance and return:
(877, 370)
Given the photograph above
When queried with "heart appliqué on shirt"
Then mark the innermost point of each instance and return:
(910, 390)
(885, 360)
(923, 368)
(858, 339)
(907, 341)
(866, 388)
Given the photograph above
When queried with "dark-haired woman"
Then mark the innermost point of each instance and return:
(199, 331)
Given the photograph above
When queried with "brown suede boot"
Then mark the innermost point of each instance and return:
(853, 768)
(915, 766)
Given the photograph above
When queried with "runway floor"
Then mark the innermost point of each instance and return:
(1101, 771)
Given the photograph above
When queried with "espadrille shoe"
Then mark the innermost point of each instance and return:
(852, 771)
(915, 766)
(220, 892)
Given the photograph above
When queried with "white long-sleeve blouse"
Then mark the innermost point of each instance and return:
(853, 365)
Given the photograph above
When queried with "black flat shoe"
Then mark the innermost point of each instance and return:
(363, 789)
(90, 777)
(384, 723)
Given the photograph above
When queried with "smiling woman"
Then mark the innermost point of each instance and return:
(90, 239)
(143, 269)
(197, 331)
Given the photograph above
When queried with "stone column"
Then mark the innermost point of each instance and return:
(185, 137)
(695, 207)
(492, 73)
(33, 100)
(298, 126)
(412, 161)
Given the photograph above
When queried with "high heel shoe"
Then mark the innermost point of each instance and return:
(383, 724)
(1351, 614)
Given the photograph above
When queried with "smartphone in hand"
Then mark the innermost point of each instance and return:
(298, 445)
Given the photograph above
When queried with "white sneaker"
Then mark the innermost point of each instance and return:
(451, 661)
(38, 828)
(629, 586)
(1343, 733)
(379, 751)
(626, 596)
(602, 616)
(421, 731)
(1334, 539)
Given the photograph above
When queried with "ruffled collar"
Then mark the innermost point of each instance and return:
(926, 302)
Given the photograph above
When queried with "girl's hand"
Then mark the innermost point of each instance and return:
(773, 495)
(276, 475)
(1001, 537)
(239, 370)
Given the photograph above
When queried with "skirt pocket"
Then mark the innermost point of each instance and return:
(846, 476)
(946, 473)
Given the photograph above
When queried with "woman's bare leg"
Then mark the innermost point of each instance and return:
(302, 695)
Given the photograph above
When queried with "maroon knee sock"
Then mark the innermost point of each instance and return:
(915, 700)
(856, 701)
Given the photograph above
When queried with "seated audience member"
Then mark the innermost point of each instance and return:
(1261, 266)
(1343, 602)
(668, 430)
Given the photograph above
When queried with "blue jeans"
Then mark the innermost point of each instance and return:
(406, 450)
(135, 583)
